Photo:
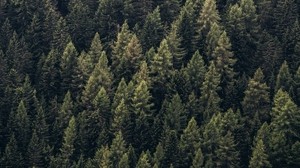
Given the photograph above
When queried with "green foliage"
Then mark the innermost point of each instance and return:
(259, 157)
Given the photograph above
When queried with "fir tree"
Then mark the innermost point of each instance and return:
(259, 157)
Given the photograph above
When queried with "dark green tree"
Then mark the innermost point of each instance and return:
(284, 78)
(209, 96)
(259, 157)
(12, 156)
(152, 31)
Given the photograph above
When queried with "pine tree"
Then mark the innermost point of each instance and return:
(117, 149)
(12, 156)
(49, 79)
(100, 77)
(198, 159)
(142, 108)
(119, 49)
(175, 114)
(256, 101)
(144, 161)
(60, 36)
(175, 46)
(161, 65)
(36, 151)
(152, 31)
(284, 78)
(209, 97)
(208, 15)
(67, 150)
(68, 60)
(243, 29)
(109, 15)
(227, 154)
(95, 50)
(169, 10)
(124, 161)
(79, 24)
(158, 156)
(6, 33)
(135, 11)
(120, 94)
(189, 143)
(170, 149)
(212, 39)
(63, 117)
(259, 157)
(19, 124)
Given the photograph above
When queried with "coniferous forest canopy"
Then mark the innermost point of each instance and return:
(150, 83)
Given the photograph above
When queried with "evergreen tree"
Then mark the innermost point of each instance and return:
(175, 46)
(227, 154)
(243, 29)
(170, 149)
(120, 94)
(142, 108)
(64, 159)
(169, 9)
(259, 157)
(109, 15)
(95, 50)
(284, 78)
(208, 15)
(12, 156)
(60, 36)
(196, 70)
(212, 39)
(100, 77)
(68, 60)
(36, 151)
(296, 86)
(79, 24)
(117, 149)
(198, 159)
(189, 143)
(6, 33)
(152, 31)
(136, 11)
(49, 79)
(209, 97)
(144, 161)
(256, 101)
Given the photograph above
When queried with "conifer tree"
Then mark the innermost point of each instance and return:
(36, 151)
(95, 50)
(227, 154)
(209, 97)
(12, 156)
(208, 15)
(170, 149)
(19, 124)
(100, 77)
(124, 161)
(109, 15)
(175, 46)
(67, 64)
(198, 159)
(135, 11)
(158, 156)
(67, 149)
(246, 31)
(142, 108)
(169, 10)
(161, 65)
(6, 33)
(259, 157)
(296, 86)
(79, 24)
(175, 114)
(117, 149)
(119, 94)
(256, 101)
(50, 76)
(284, 78)
(60, 36)
(144, 161)
(189, 143)
(152, 31)
(212, 39)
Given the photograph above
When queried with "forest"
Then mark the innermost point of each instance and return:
(150, 83)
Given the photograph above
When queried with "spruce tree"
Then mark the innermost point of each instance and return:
(152, 31)
(198, 159)
(117, 149)
(12, 157)
(210, 99)
(259, 157)
(284, 78)
(144, 161)
(189, 143)
(67, 64)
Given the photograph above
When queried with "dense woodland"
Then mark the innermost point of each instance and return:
(149, 83)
